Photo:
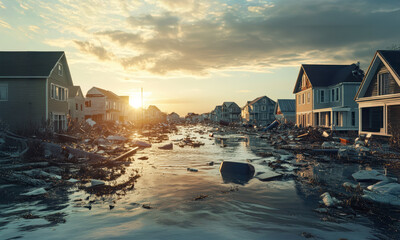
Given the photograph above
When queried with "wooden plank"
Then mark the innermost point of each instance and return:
(126, 154)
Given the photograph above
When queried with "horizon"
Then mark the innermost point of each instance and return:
(190, 56)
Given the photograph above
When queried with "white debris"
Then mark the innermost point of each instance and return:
(72, 180)
(385, 192)
(38, 191)
(372, 175)
(90, 122)
(328, 200)
(325, 134)
(116, 138)
(39, 173)
(95, 182)
(350, 185)
(141, 144)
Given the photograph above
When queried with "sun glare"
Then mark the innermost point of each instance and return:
(135, 100)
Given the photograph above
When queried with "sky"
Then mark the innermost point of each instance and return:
(191, 55)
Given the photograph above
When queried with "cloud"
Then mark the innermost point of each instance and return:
(34, 28)
(244, 91)
(4, 24)
(100, 52)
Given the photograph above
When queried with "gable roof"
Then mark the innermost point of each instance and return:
(286, 105)
(27, 64)
(321, 75)
(392, 58)
(389, 58)
(106, 93)
(258, 99)
(229, 104)
(73, 90)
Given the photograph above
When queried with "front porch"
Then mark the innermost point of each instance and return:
(380, 119)
(341, 119)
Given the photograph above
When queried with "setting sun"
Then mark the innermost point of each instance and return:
(135, 100)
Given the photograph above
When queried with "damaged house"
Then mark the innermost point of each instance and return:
(34, 89)
(260, 111)
(230, 112)
(76, 104)
(285, 110)
(325, 96)
(379, 95)
(154, 115)
(216, 114)
(104, 105)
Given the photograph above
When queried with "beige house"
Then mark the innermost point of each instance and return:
(104, 105)
(76, 104)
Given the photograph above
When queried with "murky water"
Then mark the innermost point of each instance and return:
(281, 209)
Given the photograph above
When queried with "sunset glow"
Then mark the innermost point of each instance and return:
(135, 100)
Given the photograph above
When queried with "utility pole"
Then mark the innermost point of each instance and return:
(142, 107)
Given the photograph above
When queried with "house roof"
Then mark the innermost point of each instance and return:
(229, 104)
(392, 58)
(107, 93)
(152, 107)
(389, 58)
(27, 64)
(258, 99)
(72, 91)
(287, 105)
(327, 75)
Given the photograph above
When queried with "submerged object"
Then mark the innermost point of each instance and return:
(236, 172)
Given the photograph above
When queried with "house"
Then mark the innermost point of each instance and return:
(325, 96)
(103, 105)
(154, 115)
(285, 110)
(260, 111)
(379, 95)
(230, 112)
(216, 114)
(34, 90)
(173, 118)
(76, 104)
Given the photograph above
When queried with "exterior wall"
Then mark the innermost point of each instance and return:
(304, 108)
(95, 106)
(372, 89)
(57, 106)
(77, 114)
(26, 104)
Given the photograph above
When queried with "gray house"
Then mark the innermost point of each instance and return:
(285, 110)
(230, 112)
(216, 114)
(76, 104)
(260, 111)
(379, 95)
(34, 89)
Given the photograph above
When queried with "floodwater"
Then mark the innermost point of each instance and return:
(281, 209)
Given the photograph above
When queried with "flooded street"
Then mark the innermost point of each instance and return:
(170, 202)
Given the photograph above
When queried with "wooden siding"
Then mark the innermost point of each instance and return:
(372, 89)
(26, 105)
(58, 106)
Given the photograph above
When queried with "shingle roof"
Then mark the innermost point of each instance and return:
(28, 64)
(287, 105)
(392, 57)
(258, 99)
(328, 75)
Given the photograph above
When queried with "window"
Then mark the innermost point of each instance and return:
(337, 94)
(333, 95)
(308, 97)
(76, 106)
(264, 116)
(60, 69)
(302, 96)
(88, 103)
(383, 83)
(3, 92)
(59, 122)
(353, 118)
(263, 108)
(322, 96)
(58, 92)
(299, 99)
(304, 81)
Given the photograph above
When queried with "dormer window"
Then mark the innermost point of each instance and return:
(383, 83)
(60, 69)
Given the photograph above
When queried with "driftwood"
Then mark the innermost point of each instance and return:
(126, 154)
